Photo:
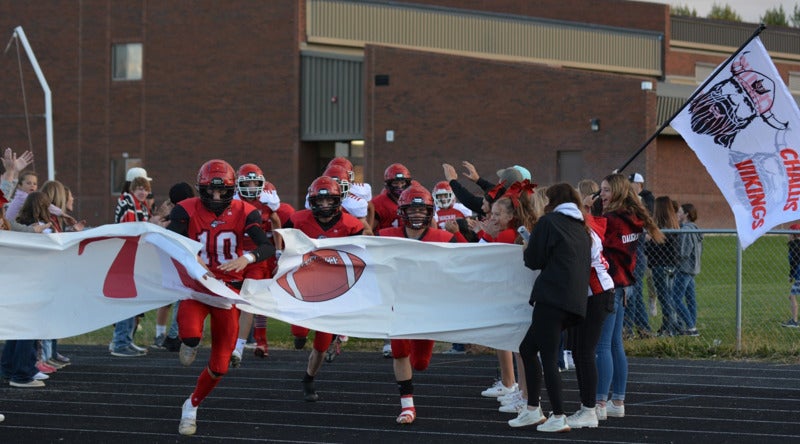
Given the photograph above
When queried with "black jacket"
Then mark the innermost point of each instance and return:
(560, 247)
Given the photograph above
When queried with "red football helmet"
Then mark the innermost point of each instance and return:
(396, 172)
(443, 194)
(250, 172)
(324, 187)
(216, 174)
(415, 196)
(340, 175)
(346, 164)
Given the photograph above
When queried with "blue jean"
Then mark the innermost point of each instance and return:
(662, 281)
(123, 334)
(612, 364)
(173, 321)
(18, 362)
(683, 289)
(636, 313)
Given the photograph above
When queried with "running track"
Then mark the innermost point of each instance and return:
(119, 400)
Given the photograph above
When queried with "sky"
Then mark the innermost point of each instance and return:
(749, 10)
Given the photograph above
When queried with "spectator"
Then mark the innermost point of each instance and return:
(662, 258)
(794, 274)
(626, 218)
(28, 183)
(690, 249)
(636, 312)
(12, 165)
(560, 247)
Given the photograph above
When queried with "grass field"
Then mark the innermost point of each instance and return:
(765, 286)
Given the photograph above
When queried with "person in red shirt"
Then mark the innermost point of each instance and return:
(415, 209)
(219, 223)
(324, 219)
(250, 188)
(396, 179)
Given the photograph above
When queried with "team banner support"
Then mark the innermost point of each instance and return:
(742, 126)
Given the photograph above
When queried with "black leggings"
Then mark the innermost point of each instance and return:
(543, 337)
(584, 337)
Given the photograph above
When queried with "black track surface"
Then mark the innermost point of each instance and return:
(100, 398)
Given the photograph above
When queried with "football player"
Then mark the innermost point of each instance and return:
(250, 188)
(358, 189)
(219, 223)
(324, 219)
(415, 210)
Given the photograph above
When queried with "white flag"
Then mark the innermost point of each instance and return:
(743, 128)
(381, 287)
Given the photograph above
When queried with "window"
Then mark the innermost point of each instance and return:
(126, 60)
(794, 82)
(118, 169)
(702, 71)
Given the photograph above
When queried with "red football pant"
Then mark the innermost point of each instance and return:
(419, 351)
(224, 330)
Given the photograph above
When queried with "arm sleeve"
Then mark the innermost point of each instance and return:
(264, 248)
(464, 196)
(178, 220)
(484, 184)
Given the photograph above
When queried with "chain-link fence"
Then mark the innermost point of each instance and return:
(742, 299)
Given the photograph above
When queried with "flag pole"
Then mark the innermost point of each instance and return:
(758, 31)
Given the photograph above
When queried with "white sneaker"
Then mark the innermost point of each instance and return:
(515, 407)
(615, 411)
(387, 351)
(498, 390)
(600, 412)
(510, 398)
(188, 425)
(528, 417)
(236, 359)
(142, 350)
(39, 376)
(2, 417)
(187, 354)
(568, 361)
(554, 424)
(585, 417)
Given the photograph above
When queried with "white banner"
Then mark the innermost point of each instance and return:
(742, 128)
(374, 287)
(61, 285)
(65, 284)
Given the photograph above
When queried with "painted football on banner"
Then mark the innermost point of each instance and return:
(323, 275)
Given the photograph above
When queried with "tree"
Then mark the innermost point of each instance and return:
(724, 13)
(795, 18)
(775, 17)
(683, 10)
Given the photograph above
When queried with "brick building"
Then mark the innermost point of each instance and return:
(564, 88)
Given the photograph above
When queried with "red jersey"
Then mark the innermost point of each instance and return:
(385, 211)
(222, 236)
(430, 235)
(340, 226)
(266, 223)
(284, 212)
(446, 214)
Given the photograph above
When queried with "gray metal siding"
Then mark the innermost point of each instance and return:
(332, 106)
(356, 23)
(731, 34)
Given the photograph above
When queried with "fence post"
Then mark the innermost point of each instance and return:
(738, 294)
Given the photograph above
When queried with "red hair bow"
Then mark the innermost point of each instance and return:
(517, 189)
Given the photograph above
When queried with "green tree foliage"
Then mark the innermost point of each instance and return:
(775, 16)
(795, 18)
(724, 13)
(683, 10)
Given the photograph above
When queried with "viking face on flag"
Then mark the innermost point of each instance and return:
(730, 105)
(755, 162)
